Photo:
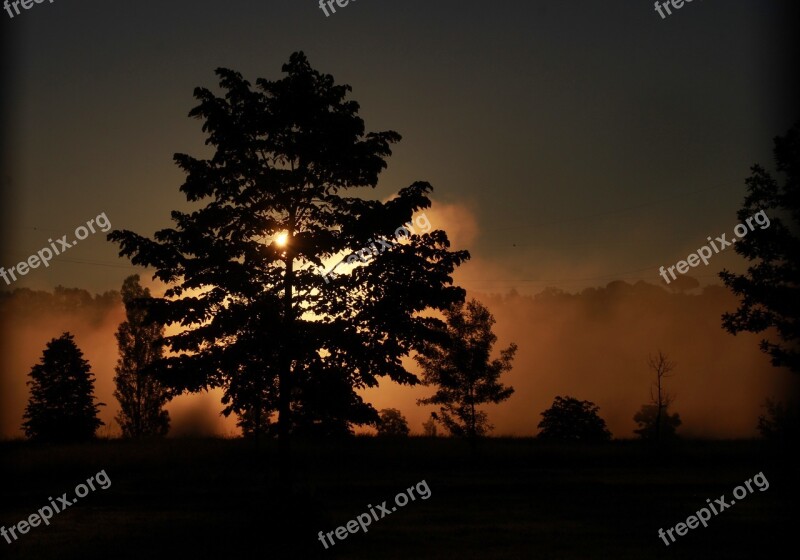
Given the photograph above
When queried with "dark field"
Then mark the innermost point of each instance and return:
(511, 498)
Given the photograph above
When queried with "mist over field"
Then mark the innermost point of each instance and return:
(591, 345)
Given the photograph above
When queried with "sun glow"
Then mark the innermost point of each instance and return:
(281, 239)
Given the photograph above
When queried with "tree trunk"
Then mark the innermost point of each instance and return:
(473, 435)
(660, 405)
(284, 374)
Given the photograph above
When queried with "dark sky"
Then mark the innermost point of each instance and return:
(570, 144)
(574, 142)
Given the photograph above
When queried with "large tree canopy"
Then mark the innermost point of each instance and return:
(273, 204)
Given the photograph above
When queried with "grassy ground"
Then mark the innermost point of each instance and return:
(512, 498)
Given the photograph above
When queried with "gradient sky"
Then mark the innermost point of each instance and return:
(569, 143)
(587, 140)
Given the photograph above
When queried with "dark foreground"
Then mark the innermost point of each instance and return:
(513, 498)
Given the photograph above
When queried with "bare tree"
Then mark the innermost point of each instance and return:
(662, 366)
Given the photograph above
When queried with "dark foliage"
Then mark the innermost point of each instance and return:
(770, 290)
(459, 366)
(655, 426)
(141, 397)
(274, 203)
(781, 422)
(392, 423)
(61, 406)
(569, 419)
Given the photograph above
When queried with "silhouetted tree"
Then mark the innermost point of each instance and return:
(61, 406)
(459, 366)
(392, 423)
(770, 291)
(429, 428)
(141, 397)
(662, 367)
(569, 419)
(781, 421)
(275, 204)
(653, 426)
